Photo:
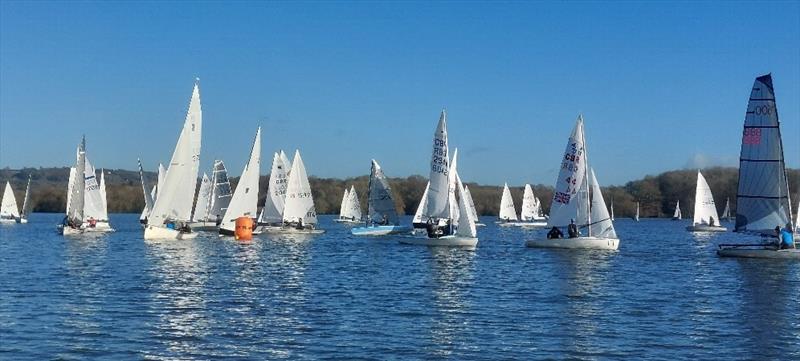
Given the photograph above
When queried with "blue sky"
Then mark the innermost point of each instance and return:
(661, 86)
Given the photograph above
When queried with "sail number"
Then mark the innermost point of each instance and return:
(751, 136)
(766, 109)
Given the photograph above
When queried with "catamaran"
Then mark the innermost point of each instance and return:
(705, 210)
(382, 216)
(172, 209)
(677, 215)
(9, 212)
(472, 208)
(244, 202)
(762, 199)
(26, 203)
(299, 213)
(578, 199)
(350, 210)
(445, 212)
(726, 213)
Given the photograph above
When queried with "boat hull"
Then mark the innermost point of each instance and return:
(575, 243)
(379, 230)
(757, 252)
(290, 230)
(339, 220)
(446, 241)
(7, 220)
(203, 226)
(159, 233)
(523, 224)
(705, 228)
(69, 231)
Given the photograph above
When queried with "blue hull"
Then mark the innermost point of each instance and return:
(379, 230)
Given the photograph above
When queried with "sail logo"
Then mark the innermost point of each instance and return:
(751, 136)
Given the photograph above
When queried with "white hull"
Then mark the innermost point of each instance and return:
(340, 220)
(8, 221)
(575, 243)
(480, 225)
(446, 241)
(23, 220)
(705, 228)
(157, 233)
(69, 231)
(522, 224)
(203, 226)
(379, 230)
(757, 252)
(290, 230)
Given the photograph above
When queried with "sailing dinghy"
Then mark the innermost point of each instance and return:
(677, 215)
(705, 210)
(26, 203)
(578, 197)
(244, 202)
(445, 212)
(76, 188)
(508, 212)
(350, 210)
(762, 199)
(726, 213)
(213, 201)
(299, 213)
(172, 209)
(8, 207)
(382, 216)
(636, 216)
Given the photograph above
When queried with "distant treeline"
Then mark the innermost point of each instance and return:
(657, 194)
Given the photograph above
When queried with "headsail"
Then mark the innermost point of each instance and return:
(299, 200)
(77, 187)
(203, 200)
(103, 197)
(471, 203)
(438, 205)
(380, 204)
(570, 198)
(466, 224)
(276, 192)
(705, 211)
(244, 202)
(601, 221)
(762, 200)
(423, 205)
(507, 210)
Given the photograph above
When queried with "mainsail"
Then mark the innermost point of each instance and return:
(203, 200)
(176, 193)
(299, 201)
(353, 204)
(529, 209)
(705, 211)
(380, 204)
(507, 210)
(93, 201)
(8, 206)
(245, 198)
(276, 192)
(570, 200)
(77, 187)
(438, 200)
(762, 199)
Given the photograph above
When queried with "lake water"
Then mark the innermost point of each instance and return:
(664, 294)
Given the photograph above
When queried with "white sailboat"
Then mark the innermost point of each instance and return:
(445, 188)
(95, 207)
(636, 216)
(726, 213)
(272, 213)
(612, 210)
(244, 202)
(299, 213)
(9, 212)
(74, 221)
(350, 211)
(382, 216)
(172, 209)
(762, 199)
(508, 212)
(472, 209)
(705, 210)
(578, 197)
(26, 203)
(677, 215)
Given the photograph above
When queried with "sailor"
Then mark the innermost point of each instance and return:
(710, 221)
(300, 223)
(785, 238)
(384, 220)
(572, 229)
(555, 233)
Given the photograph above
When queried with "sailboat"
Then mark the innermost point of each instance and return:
(636, 216)
(445, 212)
(299, 213)
(9, 211)
(726, 213)
(677, 215)
(172, 209)
(272, 213)
(73, 222)
(762, 199)
(508, 212)
(472, 208)
(612, 210)
(578, 197)
(530, 213)
(244, 202)
(350, 211)
(26, 203)
(95, 208)
(382, 216)
(220, 197)
(705, 210)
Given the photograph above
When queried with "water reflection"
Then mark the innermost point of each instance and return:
(177, 297)
(452, 275)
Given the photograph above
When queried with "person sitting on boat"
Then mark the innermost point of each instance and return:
(384, 221)
(555, 233)
(785, 238)
(299, 223)
(92, 222)
(710, 221)
(572, 229)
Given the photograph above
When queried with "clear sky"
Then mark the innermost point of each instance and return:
(661, 86)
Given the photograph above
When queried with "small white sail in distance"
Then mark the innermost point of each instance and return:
(507, 210)
(245, 197)
(601, 220)
(8, 207)
(529, 208)
(299, 203)
(705, 211)
(354, 206)
(677, 214)
(343, 208)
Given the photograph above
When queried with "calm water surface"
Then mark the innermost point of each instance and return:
(664, 294)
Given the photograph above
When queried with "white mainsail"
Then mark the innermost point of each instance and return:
(507, 210)
(471, 203)
(762, 199)
(466, 224)
(244, 202)
(423, 204)
(438, 200)
(677, 214)
(8, 206)
(353, 204)
(201, 207)
(571, 191)
(93, 202)
(276, 192)
(103, 197)
(221, 192)
(380, 204)
(299, 203)
(26, 202)
(726, 213)
(529, 210)
(601, 225)
(162, 172)
(705, 211)
(343, 208)
(77, 187)
(176, 193)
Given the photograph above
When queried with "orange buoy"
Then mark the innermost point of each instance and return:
(244, 229)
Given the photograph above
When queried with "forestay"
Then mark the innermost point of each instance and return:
(380, 204)
(762, 200)
(299, 201)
